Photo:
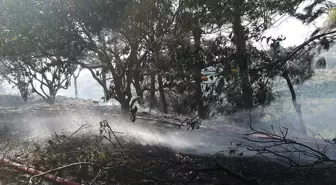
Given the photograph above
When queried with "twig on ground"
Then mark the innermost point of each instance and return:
(98, 174)
(80, 128)
(103, 125)
(127, 164)
(333, 142)
(72, 165)
(281, 141)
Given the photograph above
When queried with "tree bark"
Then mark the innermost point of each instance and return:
(295, 104)
(52, 95)
(242, 59)
(133, 59)
(103, 77)
(162, 95)
(125, 107)
(76, 87)
(197, 33)
(98, 80)
(137, 85)
(75, 81)
(152, 90)
(51, 100)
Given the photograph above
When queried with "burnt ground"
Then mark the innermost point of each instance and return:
(128, 162)
(131, 163)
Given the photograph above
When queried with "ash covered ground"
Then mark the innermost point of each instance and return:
(154, 143)
(35, 121)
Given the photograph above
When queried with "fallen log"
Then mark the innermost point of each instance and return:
(172, 122)
(33, 171)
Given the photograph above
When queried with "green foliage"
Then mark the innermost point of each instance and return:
(130, 40)
(34, 47)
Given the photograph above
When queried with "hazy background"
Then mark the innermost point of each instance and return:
(317, 97)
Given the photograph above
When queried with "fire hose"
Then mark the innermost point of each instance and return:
(33, 171)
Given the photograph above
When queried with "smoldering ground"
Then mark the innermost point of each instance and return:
(36, 121)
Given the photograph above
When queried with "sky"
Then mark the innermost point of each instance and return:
(294, 30)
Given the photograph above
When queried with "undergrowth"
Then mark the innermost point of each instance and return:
(106, 158)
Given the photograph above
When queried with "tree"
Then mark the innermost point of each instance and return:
(75, 77)
(192, 20)
(111, 39)
(258, 13)
(161, 19)
(126, 43)
(51, 74)
(33, 46)
(15, 78)
(259, 16)
(121, 43)
(310, 44)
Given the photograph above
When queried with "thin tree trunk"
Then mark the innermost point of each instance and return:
(76, 87)
(162, 95)
(137, 85)
(130, 74)
(197, 33)
(152, 91)
(106, 93)
(100, 82)
(75, 80)
(295, 104)
(242, 59)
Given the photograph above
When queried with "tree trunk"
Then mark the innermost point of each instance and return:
(101, 83)
(162, 95)
(125, 106)
(76, 87)
(137, 84)
(152, 91)
(75, 80)
(118, 85)
(52, 96)
(23, 88)
(103, 77)
(119, 93)
(130, 74)
(242, 59)
(197, 33)
(295, 104)
(51, 100)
